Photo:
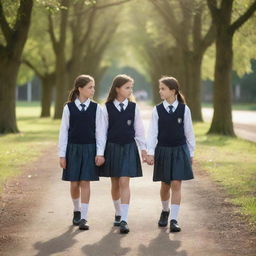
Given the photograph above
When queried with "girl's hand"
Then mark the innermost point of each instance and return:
(144, 156)
(99, 160)
(191, 159)
(150, 159)
(63, 162)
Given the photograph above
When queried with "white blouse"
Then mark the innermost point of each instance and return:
(63, 135)
(153, 128)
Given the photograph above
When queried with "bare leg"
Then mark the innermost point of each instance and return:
(115, 191)
(75, 189)
(124, 190)
(85, 191)
(165, 191)
(176, 192)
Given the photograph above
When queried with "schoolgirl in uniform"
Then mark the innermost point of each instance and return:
(170, 146)
(123, 127)
(78, 142)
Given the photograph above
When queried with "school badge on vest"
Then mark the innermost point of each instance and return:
(179, 120)
(129, 122)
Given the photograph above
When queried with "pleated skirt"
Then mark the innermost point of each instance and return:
(172, 163)
(121, 160)
(81, 163)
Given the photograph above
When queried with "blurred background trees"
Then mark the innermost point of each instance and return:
(207, 44)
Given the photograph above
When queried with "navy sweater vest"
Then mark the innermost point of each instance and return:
(82, 124)
(171, 126)
(121, 124)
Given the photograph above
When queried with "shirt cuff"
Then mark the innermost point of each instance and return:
(151, 152)
(142, 147)
(100, 152)
(62, 154)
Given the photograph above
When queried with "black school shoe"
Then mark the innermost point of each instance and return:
(163, 221)
(83, 225)
(76, 218)
(174, 227)
(124, 227)
(117, 221)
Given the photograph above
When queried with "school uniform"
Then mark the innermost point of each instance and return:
(171, 141)
(122, 128)
(78, 140)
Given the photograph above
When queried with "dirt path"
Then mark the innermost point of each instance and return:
(36, 218)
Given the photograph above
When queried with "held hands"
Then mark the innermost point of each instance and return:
(63, 162)
(144, 156)
(99, 160)
(150, 160)
(147, 158)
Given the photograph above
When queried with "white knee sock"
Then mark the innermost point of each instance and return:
(174, 211)
(84, 210)
(166, 207)
(117, 207)
(76, 203)
(124, 211)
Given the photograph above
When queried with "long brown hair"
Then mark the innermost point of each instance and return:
(81, 81)
(118, 82)
(173, 84)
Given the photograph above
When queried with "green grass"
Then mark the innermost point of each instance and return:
(232, 163)
(36, 134)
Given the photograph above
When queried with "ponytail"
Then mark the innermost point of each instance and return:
(73, 94)
(181, 98)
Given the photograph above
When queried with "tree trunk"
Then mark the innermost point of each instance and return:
(61, 85)
(189, 77)
(10, 55)
(222, 117)
(47, 89)
(8, 74)
(193, 84)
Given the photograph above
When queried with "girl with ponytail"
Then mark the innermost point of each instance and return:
(80, 145)
(170, 146)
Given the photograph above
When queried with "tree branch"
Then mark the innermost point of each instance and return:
(208, 38)
(197, 27)
(89, 27)
(112, 4)
(23, 20)
(63, 22)
(4, 25)
(243, 18)
(30, 65)
(46, 67)
(212, 5)
(51, 33)
(169, 19)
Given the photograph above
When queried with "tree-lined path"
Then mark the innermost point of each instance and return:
(36, 219)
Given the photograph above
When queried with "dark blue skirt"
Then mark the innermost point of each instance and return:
(81, 163)
(172, 163)
(121, 160)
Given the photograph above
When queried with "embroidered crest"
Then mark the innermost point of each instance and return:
(179, 120)
(129, 122)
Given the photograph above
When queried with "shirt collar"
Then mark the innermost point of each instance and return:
(174, 104)
(125, 102)
(77, 102)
